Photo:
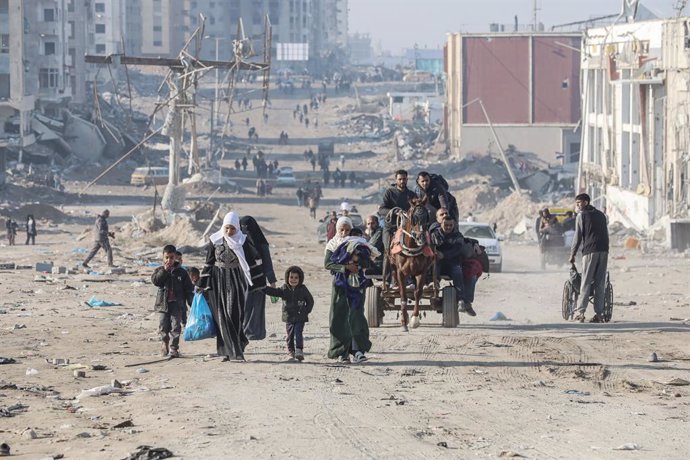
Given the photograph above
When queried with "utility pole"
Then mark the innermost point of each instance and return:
(500, 149)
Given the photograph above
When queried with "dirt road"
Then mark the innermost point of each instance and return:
(535, 385)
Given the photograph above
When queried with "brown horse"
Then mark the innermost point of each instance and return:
(411, 256)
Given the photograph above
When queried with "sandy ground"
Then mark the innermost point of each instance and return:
(534, 386)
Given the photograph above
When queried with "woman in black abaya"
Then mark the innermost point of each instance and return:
(262, 272)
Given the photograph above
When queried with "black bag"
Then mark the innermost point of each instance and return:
(437, 179)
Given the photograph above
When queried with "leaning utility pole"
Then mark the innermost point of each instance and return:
(182, 78)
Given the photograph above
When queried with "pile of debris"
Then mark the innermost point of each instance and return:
(415, 141)
(368, 126)
(514, 216)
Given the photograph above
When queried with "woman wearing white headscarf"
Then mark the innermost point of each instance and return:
(226, 280)
(348, 325)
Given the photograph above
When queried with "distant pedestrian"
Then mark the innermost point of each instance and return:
(313, 163)
(313, 204)
(11, 227)
(101, 241)
(244, 163)
(238, 165)
(30, 229)
(300, 196)
(342, 161)
(306, 122)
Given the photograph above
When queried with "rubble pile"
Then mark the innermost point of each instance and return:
(415, 141)
(476, 198)
(368, 126)
(513, 215)
(184, 231)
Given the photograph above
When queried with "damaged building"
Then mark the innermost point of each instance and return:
(636, 124)
(526, 84)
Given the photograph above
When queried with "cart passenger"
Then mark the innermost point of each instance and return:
(449, 244)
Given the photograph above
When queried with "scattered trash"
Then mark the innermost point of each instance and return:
(99, 391)
(149, 453)
(7, 360)
(653, 358)
(79, 374)
(142, 370)
(498, 316)
(94, 302)
(677, 382)
(125, 424)
(443, 444)
(58, 361)
(510, 454)
(16, 327)
(116, 383)
(99, 367)
(29, 434)
(9, 266)
(576, 392)
(31, 371)
(628, 446)
(77, 366)
(83, 434)
(13, 410)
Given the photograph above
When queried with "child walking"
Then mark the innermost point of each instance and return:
(175, 291)
(297, 304)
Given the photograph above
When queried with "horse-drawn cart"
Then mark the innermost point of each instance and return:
(381, 297)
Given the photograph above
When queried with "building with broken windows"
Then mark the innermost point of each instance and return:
(526, 84)
(636, 123)
(16, 100)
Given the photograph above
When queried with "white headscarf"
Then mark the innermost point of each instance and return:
(234, 242)
(333, 244)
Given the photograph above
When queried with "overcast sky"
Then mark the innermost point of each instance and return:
(399, 24)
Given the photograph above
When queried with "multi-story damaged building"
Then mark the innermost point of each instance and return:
(636, 123)
(16, 99)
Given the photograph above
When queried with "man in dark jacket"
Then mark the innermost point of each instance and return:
(449, 244)
(297, 304)
(101, 241)
(175, 292)
(592, 233)
(396, 196)
(375, 234)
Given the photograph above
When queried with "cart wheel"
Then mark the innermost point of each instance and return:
(608, 301)
(568, 302)
(450, 307)
(373, 299)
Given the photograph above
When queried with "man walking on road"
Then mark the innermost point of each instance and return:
(592, 233)
(101, 235)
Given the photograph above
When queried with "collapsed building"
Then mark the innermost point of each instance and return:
(636, 125)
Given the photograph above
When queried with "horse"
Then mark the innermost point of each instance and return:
(411, 256)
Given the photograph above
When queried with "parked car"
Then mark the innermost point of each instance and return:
(286, 178)
(487, 238)
(149, 175)
(323, 223)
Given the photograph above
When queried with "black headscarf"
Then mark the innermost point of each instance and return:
(251, 228)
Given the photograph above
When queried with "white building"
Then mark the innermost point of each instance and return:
(636, 123)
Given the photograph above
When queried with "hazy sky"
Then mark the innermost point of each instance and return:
(399, 24)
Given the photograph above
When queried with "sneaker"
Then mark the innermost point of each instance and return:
(86, 266)
(290, 355)
(174, 353)
(299, 354)
(469, 310)
(580, 318)
(343, 360)
(461, 307)
(164, 349)
(359, 357)
(596, 319)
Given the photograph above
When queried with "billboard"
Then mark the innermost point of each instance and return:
(292, 51)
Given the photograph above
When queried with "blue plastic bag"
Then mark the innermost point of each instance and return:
(200, 324)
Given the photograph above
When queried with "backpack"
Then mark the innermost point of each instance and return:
(438, 179)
